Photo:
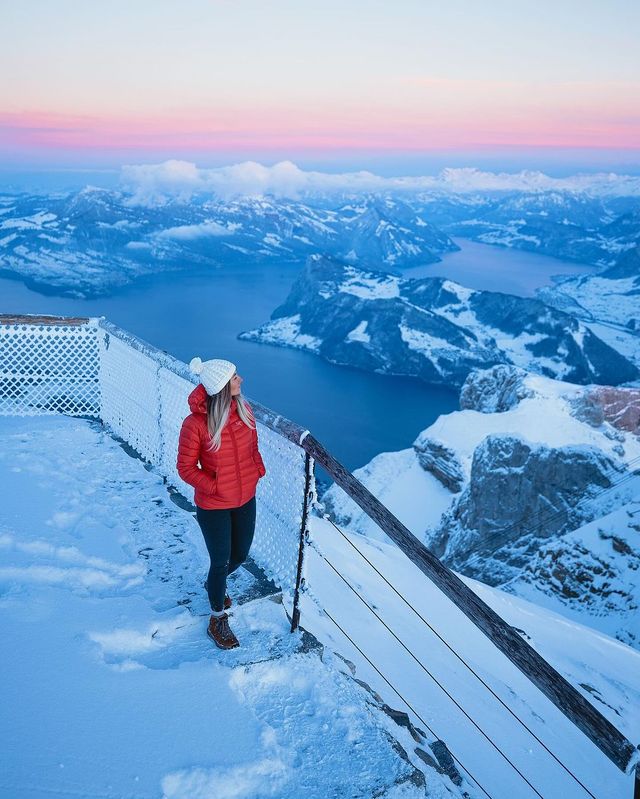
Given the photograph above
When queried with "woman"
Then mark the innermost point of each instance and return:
(218, 455)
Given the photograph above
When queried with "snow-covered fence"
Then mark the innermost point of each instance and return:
(92, 368)
(49, 368)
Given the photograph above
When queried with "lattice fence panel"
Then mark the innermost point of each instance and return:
(85, 369)
(130, 400)
(173, 390)
(48, 369)
(280, 498)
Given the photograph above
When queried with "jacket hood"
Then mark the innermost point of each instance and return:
(198, 400)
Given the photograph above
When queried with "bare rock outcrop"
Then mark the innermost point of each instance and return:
(618, 406)
(519, 495)
(440, 461)
(494, 390)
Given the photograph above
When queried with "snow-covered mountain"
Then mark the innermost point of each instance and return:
(96, 240)
(509, 490)
(564, 224)
(432, 328)
(608, 303)
(612, 296)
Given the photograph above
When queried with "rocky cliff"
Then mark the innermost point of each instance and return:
(533, 485)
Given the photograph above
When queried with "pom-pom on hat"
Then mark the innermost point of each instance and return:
(214, 374)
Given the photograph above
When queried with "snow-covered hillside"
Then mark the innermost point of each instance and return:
(608, 303)
(569, 225)
(611, 297)
(498, 488)
(92, 242)
(432, 328)
(591, 574)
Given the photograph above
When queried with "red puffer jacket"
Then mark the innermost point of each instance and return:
(226, 478)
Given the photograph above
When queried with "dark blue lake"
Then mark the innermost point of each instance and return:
(356, 415)
(492, 268)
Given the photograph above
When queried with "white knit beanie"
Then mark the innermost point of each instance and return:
(214, 374)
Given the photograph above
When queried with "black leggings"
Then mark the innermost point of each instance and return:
(228, 534)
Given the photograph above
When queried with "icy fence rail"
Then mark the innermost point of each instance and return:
(89, 367)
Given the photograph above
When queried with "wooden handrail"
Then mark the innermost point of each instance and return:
(35, 319)
(552, 684)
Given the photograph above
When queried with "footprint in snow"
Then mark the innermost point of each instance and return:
(261, 626)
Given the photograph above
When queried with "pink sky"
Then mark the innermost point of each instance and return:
(143, 83)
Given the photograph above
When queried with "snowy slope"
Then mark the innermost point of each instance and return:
(456, 504)
(609, 301)
(406, 660)
(598, 298)
(110, 687)
(591, 574)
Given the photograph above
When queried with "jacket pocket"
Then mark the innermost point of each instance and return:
(211, 485)
(258, 462)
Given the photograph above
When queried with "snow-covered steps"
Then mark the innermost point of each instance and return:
(109, 685)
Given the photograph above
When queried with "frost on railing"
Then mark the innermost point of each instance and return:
(49, 368)
(51, 365)
(129, 396)
(280, 501)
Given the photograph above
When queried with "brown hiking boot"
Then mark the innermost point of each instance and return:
(220, 632)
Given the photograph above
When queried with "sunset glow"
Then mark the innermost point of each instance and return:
(150, 80)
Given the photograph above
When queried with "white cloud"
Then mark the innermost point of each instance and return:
(188, 232)
(151, 184)
(155, 184)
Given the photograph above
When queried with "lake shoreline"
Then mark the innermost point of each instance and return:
(201, 311)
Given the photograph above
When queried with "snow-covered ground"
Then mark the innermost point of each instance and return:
(110, 687)
(602, 299)
(624, 341)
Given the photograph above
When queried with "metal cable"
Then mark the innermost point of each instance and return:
(436, 681)
(462, 660)
(415, 712)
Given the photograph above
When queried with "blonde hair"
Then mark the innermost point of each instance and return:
(218, 407)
